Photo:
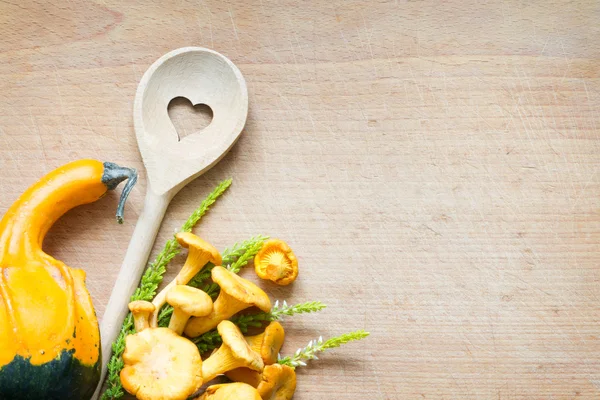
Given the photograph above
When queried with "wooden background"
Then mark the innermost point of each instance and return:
(433, 164)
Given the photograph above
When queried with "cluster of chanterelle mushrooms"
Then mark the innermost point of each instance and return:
(163, 364)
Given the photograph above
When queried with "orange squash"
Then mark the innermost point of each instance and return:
(49, 335)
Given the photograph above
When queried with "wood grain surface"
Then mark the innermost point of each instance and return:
(434, 165)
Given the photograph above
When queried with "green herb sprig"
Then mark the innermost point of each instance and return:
(317, 346)
(276, 314)
(207, 341)
(147, 290)
(252, 246)
(211, 339)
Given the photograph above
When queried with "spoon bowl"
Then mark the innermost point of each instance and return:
(202, 76)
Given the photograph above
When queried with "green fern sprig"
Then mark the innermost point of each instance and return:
(211, 340)
(317, 346)
(205, 206)
(236, 251)
(212, 289)
(201, 276)
(149, 283)
(164, 316)
(207, 341)
(249, 254)
(277, 312)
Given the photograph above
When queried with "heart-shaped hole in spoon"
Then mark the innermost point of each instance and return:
(188, 118)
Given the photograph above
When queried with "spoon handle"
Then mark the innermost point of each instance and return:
(129, 276)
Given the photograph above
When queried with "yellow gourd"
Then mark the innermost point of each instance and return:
(49, 336)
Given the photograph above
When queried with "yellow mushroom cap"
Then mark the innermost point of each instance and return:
(245, 375)
(190, 300)
(241, 289)
(230, 391)
(267, 344)
(193, 242)
(232, 337)
(277, 262)
(141, 306)
(278, 382)
(160, 364)
(271, 343)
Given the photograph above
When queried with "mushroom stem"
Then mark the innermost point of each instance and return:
(140, 321)
(224, 308)
(219, 362)
(193, 264)
(178, 321)
(200, 253)
(141, 311)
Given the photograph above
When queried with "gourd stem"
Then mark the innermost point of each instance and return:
(115, 174)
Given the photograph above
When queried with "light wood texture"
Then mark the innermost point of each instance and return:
(434, 166)
(204, 77)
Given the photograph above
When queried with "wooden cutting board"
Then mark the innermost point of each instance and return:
(434, 165)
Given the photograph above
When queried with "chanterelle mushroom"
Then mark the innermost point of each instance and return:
(200, 253)
(267, 344)
(141, 311)
(236, 295)
(187, 301)
(233, 353)
(276, 261)
(230, 391)
(278, 382)
(160, 365)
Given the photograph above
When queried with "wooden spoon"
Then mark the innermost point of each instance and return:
(204, 77)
